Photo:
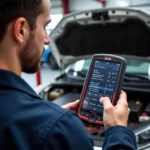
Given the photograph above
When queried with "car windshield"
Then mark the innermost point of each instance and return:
(133, 66)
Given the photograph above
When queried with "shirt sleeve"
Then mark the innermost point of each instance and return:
(119, 138)
(69, 133)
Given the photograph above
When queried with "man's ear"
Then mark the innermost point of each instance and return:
(21, 30)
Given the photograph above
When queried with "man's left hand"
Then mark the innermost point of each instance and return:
(73, 107)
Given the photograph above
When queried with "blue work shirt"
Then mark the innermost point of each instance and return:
(29, 123)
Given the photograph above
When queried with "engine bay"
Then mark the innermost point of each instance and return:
(124, 32)
(138, 101)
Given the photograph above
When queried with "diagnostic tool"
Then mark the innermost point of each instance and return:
(103, 79)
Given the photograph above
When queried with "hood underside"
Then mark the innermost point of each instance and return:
(115, 31)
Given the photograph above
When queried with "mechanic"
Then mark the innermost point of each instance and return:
(26, 121)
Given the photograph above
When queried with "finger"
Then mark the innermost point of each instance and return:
(106, 102)
(123, 95)
(66, 105)
(72, 105)
(75, 104)
(122, 99)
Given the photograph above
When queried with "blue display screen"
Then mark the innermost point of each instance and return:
(102, 83)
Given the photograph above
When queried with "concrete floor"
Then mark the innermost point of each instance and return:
(47, 75)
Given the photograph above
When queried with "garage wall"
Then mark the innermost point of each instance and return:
(56, 14)
(143, 5)
(78, 5)
(56, 7)
(117, 3)
(139, 2)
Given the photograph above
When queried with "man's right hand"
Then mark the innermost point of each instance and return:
(115, 115)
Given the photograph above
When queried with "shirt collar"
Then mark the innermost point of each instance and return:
(11, 80)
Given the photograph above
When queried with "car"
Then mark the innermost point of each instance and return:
(48, 58)
(120, 31)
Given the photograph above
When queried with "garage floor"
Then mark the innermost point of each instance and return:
(47, 75)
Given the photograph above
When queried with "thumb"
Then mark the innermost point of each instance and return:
(71, 105)
(76, 103)
(106, 102)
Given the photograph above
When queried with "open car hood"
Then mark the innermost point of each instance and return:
(123, 32)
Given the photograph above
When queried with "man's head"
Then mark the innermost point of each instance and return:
(22, 26)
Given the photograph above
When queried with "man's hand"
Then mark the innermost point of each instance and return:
(73, 107)
(115, 115)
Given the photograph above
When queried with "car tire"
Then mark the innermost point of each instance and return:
(52, 62)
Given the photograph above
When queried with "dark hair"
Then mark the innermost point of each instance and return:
(12, 9)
